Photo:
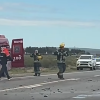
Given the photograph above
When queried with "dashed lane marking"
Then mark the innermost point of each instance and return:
(38, 85)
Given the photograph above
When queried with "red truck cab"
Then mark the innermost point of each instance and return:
(17, 52)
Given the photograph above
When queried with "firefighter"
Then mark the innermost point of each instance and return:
(3, 74)
(4, 57)
(37, 57)
(61, 56)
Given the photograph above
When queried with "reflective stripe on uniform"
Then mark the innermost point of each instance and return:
(60, 61)
(36, 61)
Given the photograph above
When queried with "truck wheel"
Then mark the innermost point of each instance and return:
(77, 68)
(94, 68)
(91, 68)
(81, 68)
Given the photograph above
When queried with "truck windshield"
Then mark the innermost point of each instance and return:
(85, 57)
(97, 60)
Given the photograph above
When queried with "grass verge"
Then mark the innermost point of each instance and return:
(49, 65)
(30, 71)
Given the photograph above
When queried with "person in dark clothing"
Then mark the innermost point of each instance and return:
(3, 75)
(4, 57)
(37, 57)
(3, 47)
(61, 56)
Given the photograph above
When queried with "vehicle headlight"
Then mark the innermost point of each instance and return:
(78, 62)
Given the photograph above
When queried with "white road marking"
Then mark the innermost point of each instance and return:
(26, 87)
(36, 85)
(96, 75)
(79, 97)
(85, 96)
(73, 79)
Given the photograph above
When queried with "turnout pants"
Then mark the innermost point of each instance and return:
(4, 70)
(3, 74)
(62, 68)
(37, 66)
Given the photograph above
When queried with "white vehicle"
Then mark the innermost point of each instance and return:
(86, 61)
(97, 62)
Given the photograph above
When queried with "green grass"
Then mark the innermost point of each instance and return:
(49, 65)
(49, 61)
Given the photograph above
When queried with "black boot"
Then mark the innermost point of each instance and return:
(38, 74)
(9, 77)
(35, 74)
(61, 77)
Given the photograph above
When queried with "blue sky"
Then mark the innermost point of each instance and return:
(51, 22)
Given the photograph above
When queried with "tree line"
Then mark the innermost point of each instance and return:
(50, 50)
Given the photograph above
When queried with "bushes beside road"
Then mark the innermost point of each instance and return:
(49, 61)
(49, 65)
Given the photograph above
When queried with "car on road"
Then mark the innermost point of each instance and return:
(97, 62)
(86, 61)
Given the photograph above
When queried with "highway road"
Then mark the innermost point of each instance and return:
(84, 85)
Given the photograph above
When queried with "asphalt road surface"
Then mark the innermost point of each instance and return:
(76, 86)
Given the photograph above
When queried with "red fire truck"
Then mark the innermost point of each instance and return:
(16, 51)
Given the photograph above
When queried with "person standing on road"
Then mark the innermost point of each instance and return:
(2, 47)
(37, 57)
(4, 57)
(4, 50)
(61, 56)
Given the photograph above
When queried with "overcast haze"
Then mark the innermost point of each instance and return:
(74, 22)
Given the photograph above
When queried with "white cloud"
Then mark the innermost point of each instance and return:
(47, 23)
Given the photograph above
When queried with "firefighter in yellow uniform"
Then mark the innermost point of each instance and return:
(37, 57)
(61, 56)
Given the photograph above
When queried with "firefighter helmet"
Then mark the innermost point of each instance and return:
(62, 45)
(40, 57)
